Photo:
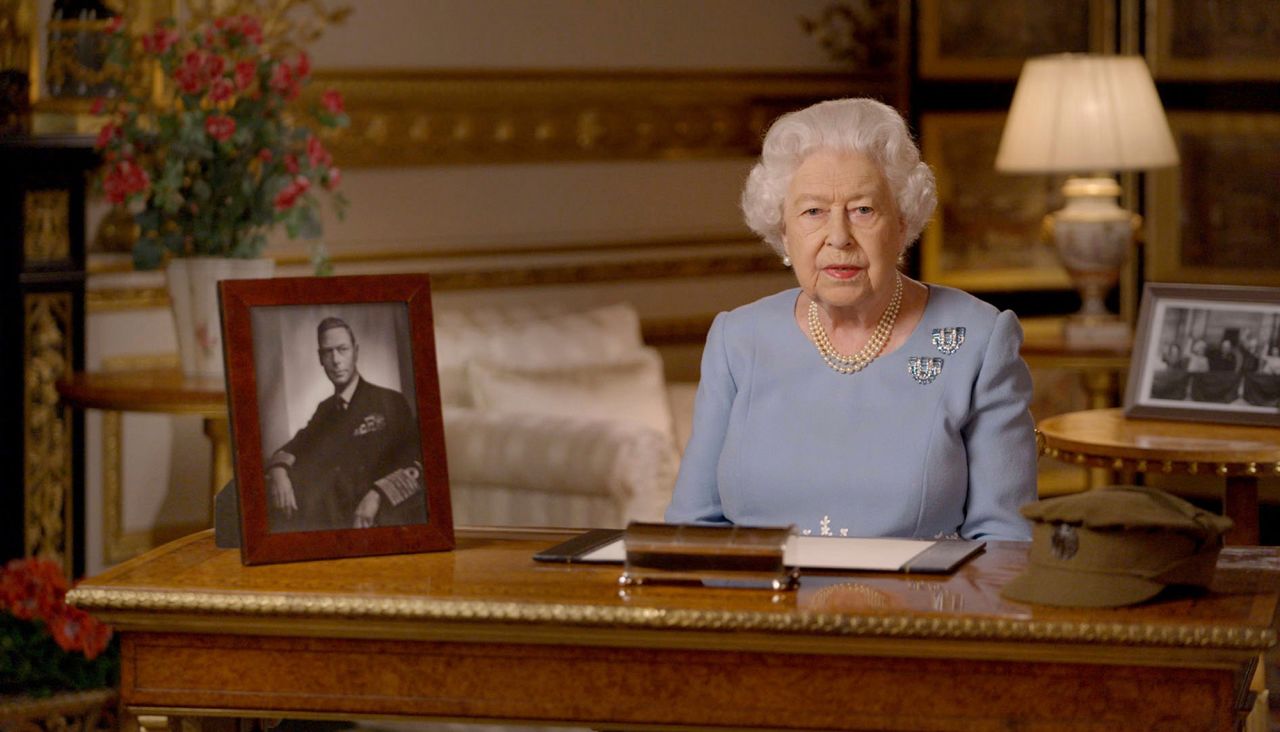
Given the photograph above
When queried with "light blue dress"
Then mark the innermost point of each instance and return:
(780, 438)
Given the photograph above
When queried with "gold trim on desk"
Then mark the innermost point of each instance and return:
(303, 608)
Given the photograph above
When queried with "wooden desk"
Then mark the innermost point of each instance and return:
(1105, 438)
(165, 391)
(485, 633)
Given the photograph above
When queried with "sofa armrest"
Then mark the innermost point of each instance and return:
(633, 464)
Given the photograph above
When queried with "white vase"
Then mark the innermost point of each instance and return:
(193, 292)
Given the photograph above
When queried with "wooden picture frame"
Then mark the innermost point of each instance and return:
(1207, 353)
(989, 39)
(1212, 219)
(1193, 40)
(335, 415)
(986, 234)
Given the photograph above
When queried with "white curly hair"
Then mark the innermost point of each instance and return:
(864, 126)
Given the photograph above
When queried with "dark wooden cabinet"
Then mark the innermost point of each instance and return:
(42, 237)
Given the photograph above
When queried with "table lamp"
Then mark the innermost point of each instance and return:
(1088, 116)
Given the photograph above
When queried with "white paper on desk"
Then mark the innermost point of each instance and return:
(817, 552)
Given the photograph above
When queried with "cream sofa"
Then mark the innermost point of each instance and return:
(557, 418)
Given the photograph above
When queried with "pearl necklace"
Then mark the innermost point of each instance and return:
(879, 337)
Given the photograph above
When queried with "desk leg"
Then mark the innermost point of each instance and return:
(220, 435)
(1240, 504)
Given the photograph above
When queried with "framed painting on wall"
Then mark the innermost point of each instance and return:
(1215, 217)
(989, 39)
(987, 232)
(1194, 40)
(336, 418)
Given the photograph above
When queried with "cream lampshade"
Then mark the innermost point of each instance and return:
(1088, 116)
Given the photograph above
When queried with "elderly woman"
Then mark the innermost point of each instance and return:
(861, 403)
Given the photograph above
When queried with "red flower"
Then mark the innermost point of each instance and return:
(124, 179)
(97, 106)
(332, 101)
(265, 154)
(108, 133)
(219, 126)
(222, 90)
(190, 80)
(332, 178)
(303, 68)
(291, 164)
(251, 29)
(214, 65)
(316, 154)
(159, 40)
(32, 588)
(284, 83)
(115, 25)
(245, 73)
(289, 194)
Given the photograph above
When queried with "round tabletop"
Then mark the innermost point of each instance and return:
(1105, 438)
(146, 390)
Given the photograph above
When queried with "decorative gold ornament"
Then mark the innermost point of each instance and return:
(47, 456)
(46, 228)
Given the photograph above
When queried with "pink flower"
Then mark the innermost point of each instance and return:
(245, 73)
(221, 90)
(316, 154)
(332, 178)
(303, 67)
(332, 101)
(220, 127)
(291, 164)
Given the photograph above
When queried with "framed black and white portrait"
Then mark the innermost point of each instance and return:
(1208, 353)
(335, 410)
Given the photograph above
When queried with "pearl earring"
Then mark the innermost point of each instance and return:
(786, 261)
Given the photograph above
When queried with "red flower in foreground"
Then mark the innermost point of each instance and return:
(220, 127)
(31, 588)
(246, 72)
(74, 630)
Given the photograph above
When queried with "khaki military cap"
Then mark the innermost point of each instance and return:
(1115, 546)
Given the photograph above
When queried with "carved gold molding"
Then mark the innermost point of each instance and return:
(46, 225)
(1168, 467)
(405, 118)
(710, 259)
(352, 608)
(47, 424)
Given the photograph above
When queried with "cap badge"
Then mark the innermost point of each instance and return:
(1065, 543)
(948, 340)
(924, 369)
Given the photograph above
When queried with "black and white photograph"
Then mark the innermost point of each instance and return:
(335, 392)
(335, 406)
(1208, 353)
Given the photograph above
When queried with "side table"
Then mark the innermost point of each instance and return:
(165, 391)
(1104, 438)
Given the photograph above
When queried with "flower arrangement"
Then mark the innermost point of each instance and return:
(221, 158)
(47, 646)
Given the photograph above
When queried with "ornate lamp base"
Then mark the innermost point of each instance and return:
(1092, 234)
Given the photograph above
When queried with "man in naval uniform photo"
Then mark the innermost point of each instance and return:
(357, 463)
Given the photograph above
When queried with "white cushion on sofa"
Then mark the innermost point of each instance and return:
(530, 336)
(628, 388)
